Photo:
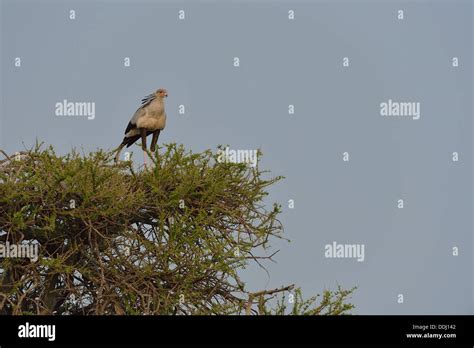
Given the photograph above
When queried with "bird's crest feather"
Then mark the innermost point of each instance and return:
(148, 99)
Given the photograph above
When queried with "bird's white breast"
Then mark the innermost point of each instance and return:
(154, 117)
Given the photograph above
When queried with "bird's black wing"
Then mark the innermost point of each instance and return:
(145, 101)
(131, 140)
(129, 127)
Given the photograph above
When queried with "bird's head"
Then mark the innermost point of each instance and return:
(161, 93)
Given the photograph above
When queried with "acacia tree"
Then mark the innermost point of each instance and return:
(114, 239)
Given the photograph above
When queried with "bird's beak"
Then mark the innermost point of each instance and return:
(166, 94)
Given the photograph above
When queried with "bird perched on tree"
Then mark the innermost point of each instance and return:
(150, 118)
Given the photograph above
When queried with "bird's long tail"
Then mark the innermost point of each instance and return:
(119, 149)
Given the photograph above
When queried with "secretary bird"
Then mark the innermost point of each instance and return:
(150, 118)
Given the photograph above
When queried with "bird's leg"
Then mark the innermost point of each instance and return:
(144, 159)
(143, 134)
(154, 140)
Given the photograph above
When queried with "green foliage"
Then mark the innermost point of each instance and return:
(332, 303)
(116, 240)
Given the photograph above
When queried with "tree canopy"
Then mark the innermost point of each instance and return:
(115, 239)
